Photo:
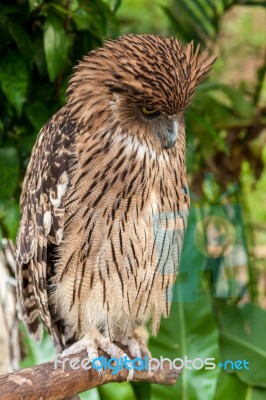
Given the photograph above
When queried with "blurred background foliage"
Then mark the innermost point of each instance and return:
(219, 300)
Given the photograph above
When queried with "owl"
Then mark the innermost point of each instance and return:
(105, 198)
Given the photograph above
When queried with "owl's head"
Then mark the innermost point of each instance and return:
(146, 81)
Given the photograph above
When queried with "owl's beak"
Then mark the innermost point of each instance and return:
(170, 142)
(170, 135)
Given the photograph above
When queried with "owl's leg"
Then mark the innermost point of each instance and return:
(94, 341)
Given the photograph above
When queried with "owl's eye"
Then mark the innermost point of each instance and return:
(150, 111)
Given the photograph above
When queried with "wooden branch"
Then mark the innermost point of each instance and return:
(46, 382)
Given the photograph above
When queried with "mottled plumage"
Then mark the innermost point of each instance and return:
(105, 196)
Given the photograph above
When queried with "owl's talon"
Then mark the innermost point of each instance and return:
(100, 372)
(85, 344)
(92, 346)
(75, 348)
(137, 346)
(130, 374)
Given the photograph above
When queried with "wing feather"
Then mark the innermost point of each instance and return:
(44, 192)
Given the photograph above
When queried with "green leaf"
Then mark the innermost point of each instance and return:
(190, 330)
(12, 219)
(261, 3)
(181, 24)
(121, 391)
(62, 10)
(209, 128)
(10, 213)
(115, 4)
(55, 46)
(25, 144)
(14, 79)
(242, 337)
(29, 360)
(37, 113)
(199, 16)
(23, 41)
(39, 56)
(83, 19)
(229, 387)
(74, 5)
(91, 394)
(33, 4)
(37, 353)
(181, 33)
(142, 390)
(239, 103)
(9, 171)
(193, 20)
(236, 99)
(98, 19)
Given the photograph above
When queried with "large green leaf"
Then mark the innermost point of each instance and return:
(39, 55)
(242, 337)
(14, 79)
(142, 390)
(55, 46)
(121, 391)
(190, 330)
(91, 394)
(23, 41)
(229, 387)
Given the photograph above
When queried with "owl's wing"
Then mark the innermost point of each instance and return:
(44, 192)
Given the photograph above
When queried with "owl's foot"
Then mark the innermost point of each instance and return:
(93, 345)
(85, 344)
(137, 346)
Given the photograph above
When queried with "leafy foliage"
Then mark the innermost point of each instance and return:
(201, 19)
(40, 42)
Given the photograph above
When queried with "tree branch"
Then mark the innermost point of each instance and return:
(46, 382)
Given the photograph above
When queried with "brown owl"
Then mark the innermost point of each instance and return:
(105, 197)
